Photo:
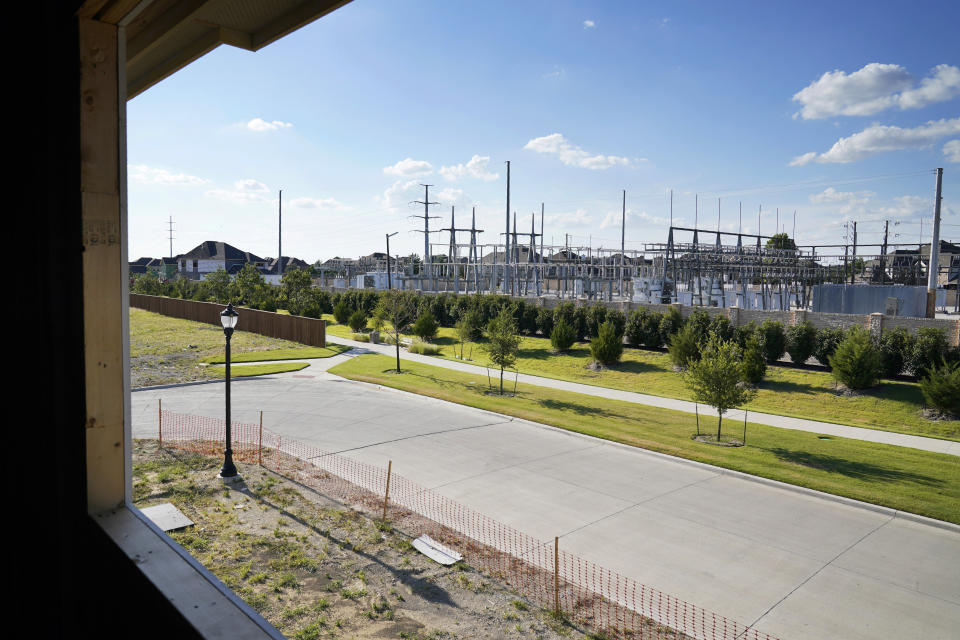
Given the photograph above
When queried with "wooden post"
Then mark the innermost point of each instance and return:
(744, 426)
(386, 494)
(260, 442)
(556, 575)
(160, 421)
(696, 408)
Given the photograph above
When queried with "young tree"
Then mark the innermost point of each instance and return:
(219, 284)
(856, 362)
(607, 347)
(562, 337)
(801, 341)
(248, 281)
(685, 346)
(397, 308)
(754, 364)
(357, 321)
(467, 327)
(426, 326)
(295, 281)
(717, 378)
(941, 387)
(503, 342)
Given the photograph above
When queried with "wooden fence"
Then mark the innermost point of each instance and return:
(309, 331)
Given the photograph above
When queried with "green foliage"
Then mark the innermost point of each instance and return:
(295, 281)
(670, 323)
(801, 341)
(928, 350)
(643, 329)
(580, 323)
(699, 324)
(426, 326)
(357, 321)
(562, 337)
(342, 312)
(219, 286)
(754, 363)
(249, 284)
(717, 378)
(781, 241)
(424, 348)
(618, 319)
(743, 333)
(685, 347)
(721, 327)
(545, 321)
(941, 388)
(503, 342)
(607, 347)
(896, 348)
(773, 340)
(826, 344)
(596, 316)
(856, 362)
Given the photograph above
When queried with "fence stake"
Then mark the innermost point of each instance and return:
(260, 442)
(386, 494)
(697, 409)
(160, 420)
(744, 426)
(556, 575)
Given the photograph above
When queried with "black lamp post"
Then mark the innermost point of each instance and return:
(389, 281)
(228, 318)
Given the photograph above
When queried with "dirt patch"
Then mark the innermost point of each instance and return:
(316, 569)
(724, 441)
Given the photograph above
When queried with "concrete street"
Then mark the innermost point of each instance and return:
(793, 563)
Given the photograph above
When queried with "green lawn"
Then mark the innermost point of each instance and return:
(801, 393)
(259, 369)
(300, 353)
(165, 350)
(908, 479)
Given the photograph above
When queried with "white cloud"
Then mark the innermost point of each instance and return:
(573, 155)
(329, 204)
(476, 168)
(951, 151)
(880, 138)
(558, 72)
(847, 201)
(409, 168)
(874, 88)
(259, 124)
(399, 193)
(578, 217)
(248, 190)
(151, 175)
(614, 218)
(589, 24)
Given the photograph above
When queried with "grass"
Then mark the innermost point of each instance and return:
(246, 370)
(788, 391)
(165, 350)
(916, 481)
(299, 353)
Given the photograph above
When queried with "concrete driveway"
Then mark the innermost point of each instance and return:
(795, 564)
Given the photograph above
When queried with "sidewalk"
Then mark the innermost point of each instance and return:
(784, 422)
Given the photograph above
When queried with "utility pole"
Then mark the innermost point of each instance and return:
(389, 280)
(280, 234)
(427, 260)
(933, 270)
(506, 253)
(883, 252)
(853, 271)
(170, 227)
(623, 235)
(540, 259)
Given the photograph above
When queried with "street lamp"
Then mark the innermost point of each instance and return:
(228, 318)
(389, 281)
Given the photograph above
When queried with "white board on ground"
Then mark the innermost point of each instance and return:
(167, 517)
(436, 551)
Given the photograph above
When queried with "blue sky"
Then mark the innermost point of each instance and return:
(838, 111)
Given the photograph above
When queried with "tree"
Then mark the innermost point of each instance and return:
(607, 347)
(896, 347)
(685, 346)
(426, 326)
(562, 336)
(503, 342)
(929, 347)
(467, 327)
(295, 281)
(357, 321)
(773, 340)
(856, 362)
(801, 341)
(219, 284)
(781, 241)
(248, 281)
(941, 387)
(754, 364)
(396, 307)
(717, 378)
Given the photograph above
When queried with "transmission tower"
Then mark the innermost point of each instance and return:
(427, 259)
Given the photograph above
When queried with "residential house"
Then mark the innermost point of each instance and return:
(210, 256)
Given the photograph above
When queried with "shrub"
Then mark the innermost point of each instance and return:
(773, 340)
(565, 311)
(357, 321)
(801, 341)
(619, 321)
(896, 347)
(941, 388)
(607, 347)
(528, 323)
(826, 344)
(721, 327)
(754, 364)
(670, 323)
(684, 347)
(643, 329)
(856, 362)
(341, 312)
(580, 322)
(596, 316)
(928, 350)
(743, 333)
(361, 337)
(425, 327)
(562, 337)
(470, 327)
(699, 323)
(545, 321)
(423, 348)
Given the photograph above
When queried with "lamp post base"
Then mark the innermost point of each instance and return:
(234, 479)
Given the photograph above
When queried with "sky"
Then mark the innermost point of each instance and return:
(813, 114)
